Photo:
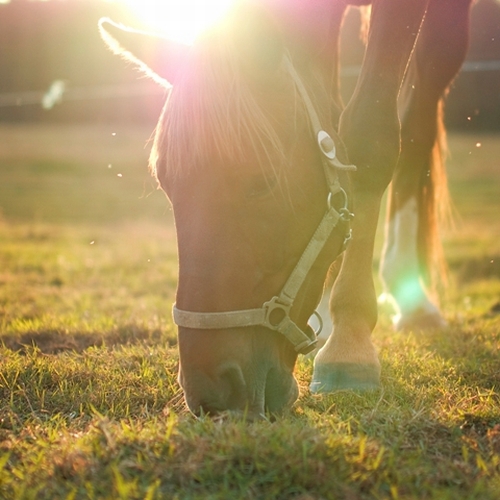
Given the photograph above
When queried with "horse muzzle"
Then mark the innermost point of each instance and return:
(238, 381)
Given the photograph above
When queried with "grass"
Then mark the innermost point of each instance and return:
(89, 404)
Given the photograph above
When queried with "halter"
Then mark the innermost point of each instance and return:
(275, 313)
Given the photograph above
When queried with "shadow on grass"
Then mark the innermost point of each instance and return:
(52, 341)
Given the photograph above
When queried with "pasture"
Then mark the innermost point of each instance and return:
(89, 404)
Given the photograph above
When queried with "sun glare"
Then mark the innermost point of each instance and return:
(180, 20)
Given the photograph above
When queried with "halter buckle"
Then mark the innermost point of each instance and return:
(277, 318)
(326, 144)
(276, 312)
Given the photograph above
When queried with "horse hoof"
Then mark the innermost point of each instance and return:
(420, 320)
(334, 377)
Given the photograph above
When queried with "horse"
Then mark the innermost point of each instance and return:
(272, 178)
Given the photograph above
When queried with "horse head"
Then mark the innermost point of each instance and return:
(237, 153)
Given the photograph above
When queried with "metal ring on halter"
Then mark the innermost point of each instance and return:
(345, 215)
(347, 239)
(346, 201)
(320, 321)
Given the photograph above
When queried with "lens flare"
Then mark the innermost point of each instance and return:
(180, 20)
(409, 296)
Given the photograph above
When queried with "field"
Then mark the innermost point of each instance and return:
(89, 404)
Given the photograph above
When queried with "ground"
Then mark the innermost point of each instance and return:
(89, 404)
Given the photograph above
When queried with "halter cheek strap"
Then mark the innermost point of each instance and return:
(275, 313)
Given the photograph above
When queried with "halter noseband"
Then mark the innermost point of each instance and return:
(275, 313)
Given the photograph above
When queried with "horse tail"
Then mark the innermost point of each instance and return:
(434, 211)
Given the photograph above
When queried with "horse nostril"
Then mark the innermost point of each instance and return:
(281, 391)
(232, 386)
(224, 389)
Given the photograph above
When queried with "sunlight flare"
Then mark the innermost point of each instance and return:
(180, 20)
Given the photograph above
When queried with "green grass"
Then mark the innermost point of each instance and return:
(89, 404)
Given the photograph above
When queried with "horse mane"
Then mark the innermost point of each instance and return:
(213, 116)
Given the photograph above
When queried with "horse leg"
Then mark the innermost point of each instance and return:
(321, 320)
(370, 129)
(412, 253)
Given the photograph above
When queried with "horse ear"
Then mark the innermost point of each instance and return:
(158, 57)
